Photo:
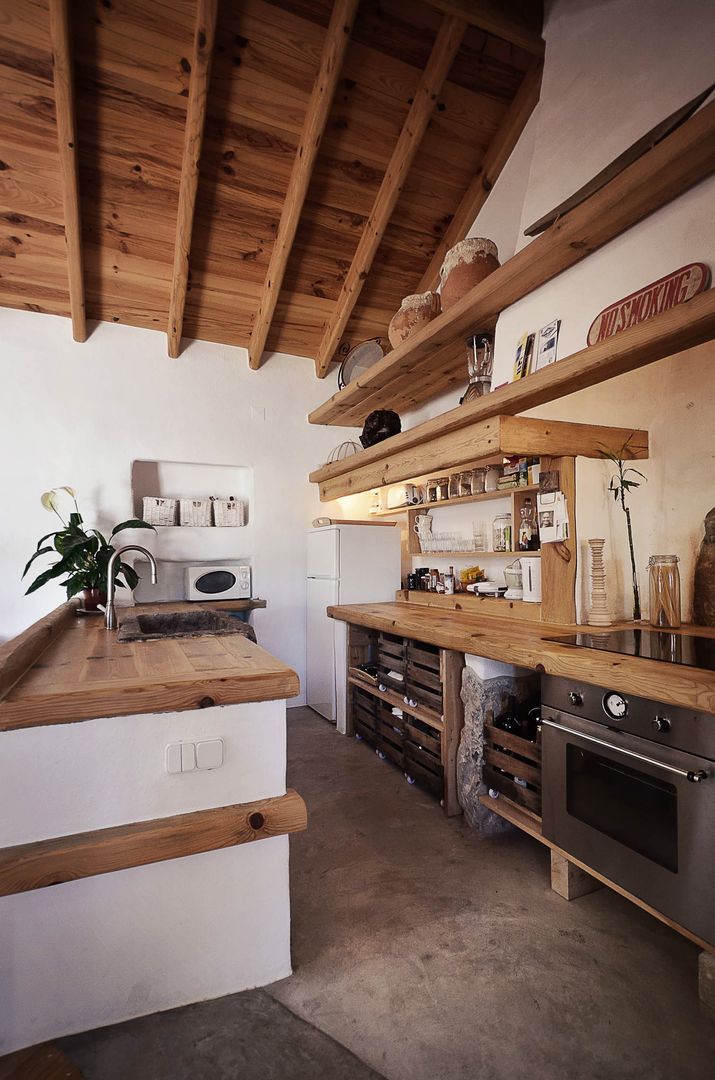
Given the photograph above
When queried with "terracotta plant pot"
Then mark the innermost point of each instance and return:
(465, 265)
(415, 312)
(91, 598)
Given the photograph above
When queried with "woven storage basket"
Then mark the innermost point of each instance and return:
(229, 512)
(156, 511)
(195, 511)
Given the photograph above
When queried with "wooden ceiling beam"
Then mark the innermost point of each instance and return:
(495, 159)
(316, 118)
(503, 18)
(446, 46)
(204, 34)
(61, 38)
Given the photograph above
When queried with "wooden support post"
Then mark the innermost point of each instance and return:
(204, 34)
(443, 53)
(451, 667)
(558, 561)
(495, 158)
(316, 117)
(569, 880)
(61, 37)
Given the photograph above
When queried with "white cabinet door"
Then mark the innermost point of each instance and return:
(320, 673)
(323, 553)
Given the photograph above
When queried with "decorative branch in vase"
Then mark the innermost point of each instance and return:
(84, 554)
(621, 486)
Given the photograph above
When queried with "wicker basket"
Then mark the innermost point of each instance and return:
(156, 511)
(229, 512)
(195, 512)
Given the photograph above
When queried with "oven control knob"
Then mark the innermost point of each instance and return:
(661, 723)
(575, 698)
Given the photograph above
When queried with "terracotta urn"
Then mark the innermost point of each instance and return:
(415, 312)
(465, 265)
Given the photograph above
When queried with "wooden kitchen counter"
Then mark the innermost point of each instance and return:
(66, 668)
(523, 643)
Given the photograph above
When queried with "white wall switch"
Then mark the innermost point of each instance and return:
(209, 754)
(188, 756)
(173, 758)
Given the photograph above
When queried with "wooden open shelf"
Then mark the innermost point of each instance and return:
(483, 496)
(432, 361)
(481, 442)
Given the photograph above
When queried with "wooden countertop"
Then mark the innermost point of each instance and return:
(66, 668)
(524, 644)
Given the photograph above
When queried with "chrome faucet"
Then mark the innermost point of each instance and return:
(110, 614)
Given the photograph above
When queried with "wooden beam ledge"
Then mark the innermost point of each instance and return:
(446, 47)
(316, 118)
(502, 18)
(204, 34)
(140, 843)
(61, 38)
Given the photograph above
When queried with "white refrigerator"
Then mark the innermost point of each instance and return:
(347, 564)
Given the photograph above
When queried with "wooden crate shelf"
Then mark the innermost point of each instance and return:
(432, 360)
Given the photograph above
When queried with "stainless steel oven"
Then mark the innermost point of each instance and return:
(629, 789)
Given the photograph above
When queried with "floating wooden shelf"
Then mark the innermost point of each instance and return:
(483, 496)
(469, 603)
(482, 441)
(432, 361)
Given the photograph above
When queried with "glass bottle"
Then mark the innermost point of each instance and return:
(528, 532)
(664, 590)
(449, 582)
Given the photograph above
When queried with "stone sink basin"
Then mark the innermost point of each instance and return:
(181, 624)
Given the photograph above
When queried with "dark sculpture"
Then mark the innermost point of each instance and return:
(381, 424)
(704, 581)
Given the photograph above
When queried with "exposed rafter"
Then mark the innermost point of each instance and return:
(504, 18)
(441, 58)
(204, 34)
(67, 143)
(316, 117)
(495, 159)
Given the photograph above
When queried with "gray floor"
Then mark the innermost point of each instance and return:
(431, 955)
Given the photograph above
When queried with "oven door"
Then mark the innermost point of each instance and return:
(640, 813)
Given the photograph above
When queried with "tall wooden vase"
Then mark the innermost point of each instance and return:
(598, 614)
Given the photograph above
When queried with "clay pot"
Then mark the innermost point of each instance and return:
(91, 598)
(415, 312)
(465, 265)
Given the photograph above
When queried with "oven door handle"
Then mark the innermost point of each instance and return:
(694, 776)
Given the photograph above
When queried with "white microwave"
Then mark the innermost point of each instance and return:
(231, 582)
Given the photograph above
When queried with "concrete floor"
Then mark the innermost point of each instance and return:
(431, 955)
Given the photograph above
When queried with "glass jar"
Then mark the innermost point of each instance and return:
(453, 491)
(478, 479)
(501, 533)
(465, 483)
(432, 491)
(442, 483)
(492, 475)
(664, 590)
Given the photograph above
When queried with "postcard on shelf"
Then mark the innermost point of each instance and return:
(553, 517)
(524, 351)
(545, 352)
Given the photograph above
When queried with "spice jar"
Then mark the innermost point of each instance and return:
(465, 483)
(432, 491)
(442, 483)
(664, 590)
(478, 478)
(501, 533)
(453, 490)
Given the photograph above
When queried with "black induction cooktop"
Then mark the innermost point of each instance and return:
(688, 649)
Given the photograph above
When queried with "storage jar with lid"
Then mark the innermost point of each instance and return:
(664, 590)
(501, 533)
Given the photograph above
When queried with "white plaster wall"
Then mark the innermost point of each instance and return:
(109, 948)
(69, 778)
(612, 71)
(79, 414)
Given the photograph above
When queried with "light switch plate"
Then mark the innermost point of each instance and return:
(209, 754)
(173, 758)
(188, 757)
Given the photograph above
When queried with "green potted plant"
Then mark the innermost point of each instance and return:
(84, 554)
(620, 485)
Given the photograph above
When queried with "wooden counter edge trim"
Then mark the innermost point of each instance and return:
(140, 843)
(19, 653)
(512, 813)
(44, 709)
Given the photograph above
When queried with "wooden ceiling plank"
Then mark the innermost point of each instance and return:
(204, 35)
(449, 38)
(331, 61)
(60, 34)
(495, 159)
(502, 18)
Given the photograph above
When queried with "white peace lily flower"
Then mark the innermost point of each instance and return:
(49, 500)
(69, 490)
